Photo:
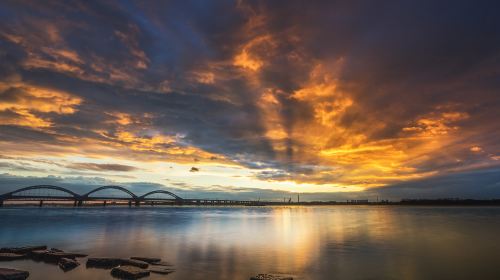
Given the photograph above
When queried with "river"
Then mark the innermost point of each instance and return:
(324, 242)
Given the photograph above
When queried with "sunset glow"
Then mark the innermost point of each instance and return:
(258, 100)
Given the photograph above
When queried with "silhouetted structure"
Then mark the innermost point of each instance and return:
(43, 193)
(33, 193)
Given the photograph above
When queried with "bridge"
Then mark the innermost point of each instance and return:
(43, 193)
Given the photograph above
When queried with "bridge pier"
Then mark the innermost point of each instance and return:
(130, 203)
(137, 203)
(1, 203)
(41, 203)
(80, 202)
(104, 203)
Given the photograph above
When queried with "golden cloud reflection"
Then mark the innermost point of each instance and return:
(290, 240)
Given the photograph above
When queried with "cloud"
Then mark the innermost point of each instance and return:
(102, 167)
(478, 184)
(31, 106)
(476, 149)
(389, 93)
(18, 167)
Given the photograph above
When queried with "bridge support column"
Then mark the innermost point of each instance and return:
(130, 203)
(41, 203)
(1, 203)
(137, 203)
(104, 203)
(80, 203)
(75, 203)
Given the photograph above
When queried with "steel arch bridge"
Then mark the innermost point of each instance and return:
(55, 193)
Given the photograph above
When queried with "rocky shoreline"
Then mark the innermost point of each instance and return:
(132, 268)
(122, 268)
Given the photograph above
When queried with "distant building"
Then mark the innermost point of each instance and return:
(358, 201)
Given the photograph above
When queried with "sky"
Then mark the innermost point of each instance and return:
(253, 99)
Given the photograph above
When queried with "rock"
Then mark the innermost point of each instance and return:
(103, 262)
(148, 260)
(53, 255)
(10, 256)
(13, 274)
(161, 270)
(67, 264)
(161, 264)
(129, 272)
(22, 250)
(56, 250)
(37, 254)
(112, 262)
(56, 256)
(270, 277)
(135, 263)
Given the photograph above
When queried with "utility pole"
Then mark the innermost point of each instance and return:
(298, 198)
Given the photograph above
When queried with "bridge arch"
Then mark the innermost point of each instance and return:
(40, 187)
(132, 195)
(144, 196)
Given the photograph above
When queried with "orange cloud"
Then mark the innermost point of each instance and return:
(476, 149)
(120, 118)
(436, 123)
(348, 154)
(248, 57)
(26, 102)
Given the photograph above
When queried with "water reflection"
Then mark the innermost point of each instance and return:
(234, 243)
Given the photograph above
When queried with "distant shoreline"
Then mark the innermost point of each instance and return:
(404, 202)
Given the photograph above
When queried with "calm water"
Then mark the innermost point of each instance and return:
(340, 242)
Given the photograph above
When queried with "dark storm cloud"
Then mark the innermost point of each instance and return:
(197, 71)
(20, 134)
(479, 184)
